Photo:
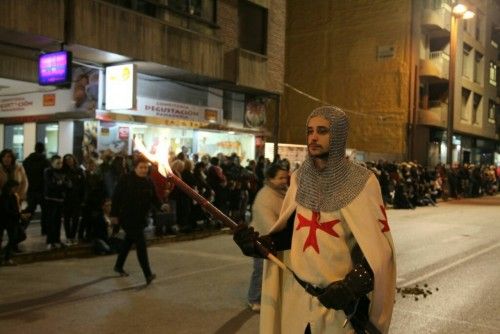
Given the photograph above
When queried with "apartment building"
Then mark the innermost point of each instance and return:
(386, 62)
(207, 74)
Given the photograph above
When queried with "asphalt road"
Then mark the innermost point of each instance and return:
(451, 250)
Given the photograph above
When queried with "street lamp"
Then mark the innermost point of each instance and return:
(459, 11)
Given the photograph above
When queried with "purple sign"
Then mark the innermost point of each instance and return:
(54, 68)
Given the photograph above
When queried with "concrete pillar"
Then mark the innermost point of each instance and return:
(29, 138)
(65, 137)
(1, 136)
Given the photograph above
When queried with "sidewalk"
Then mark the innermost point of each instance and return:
(33, 249)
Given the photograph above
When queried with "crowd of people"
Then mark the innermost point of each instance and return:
(78, 195)
(407, 185)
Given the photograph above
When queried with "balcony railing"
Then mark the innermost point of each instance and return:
(437, 18)
(438, 65)
(433, 112)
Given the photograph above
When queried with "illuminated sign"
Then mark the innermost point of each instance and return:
(54, 68)
(120, 87)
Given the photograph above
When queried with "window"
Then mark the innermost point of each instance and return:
(464, 113)
(253, 27)
(493, 73)
(491, 111)
(479, 28)
(204, 9)
(478, 67)
(476, 108)
(14, 139)
(48, 133)
(467, 61)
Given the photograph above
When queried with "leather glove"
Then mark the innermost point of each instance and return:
(341, 294)
(248, 241)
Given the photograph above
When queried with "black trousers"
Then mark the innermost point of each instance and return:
(54, 215)
(140, 247)
(71, 215)
(12, 235)
(35, 198)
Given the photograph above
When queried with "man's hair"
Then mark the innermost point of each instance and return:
(54, 157)
(214, 161)
(139, 159)
(39, 147)
(273, 170)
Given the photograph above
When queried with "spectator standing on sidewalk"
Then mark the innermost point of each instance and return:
(133, 197)
(75, 191)
(11, 170)
(265, 212)
(34, 165)
(55, 185)
(9, 212)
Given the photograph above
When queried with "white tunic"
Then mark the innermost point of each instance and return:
(321, 254)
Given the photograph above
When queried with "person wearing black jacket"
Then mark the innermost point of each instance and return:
(55, 185)
(34, 165)
(132, 199)
(74, 196)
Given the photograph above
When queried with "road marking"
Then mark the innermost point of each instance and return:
(197, 272)
(462, 322)
(450, 265)
(207, 255)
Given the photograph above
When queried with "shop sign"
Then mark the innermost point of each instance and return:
(120, 87)
(123, 132)
(174, 110)
(49, 100)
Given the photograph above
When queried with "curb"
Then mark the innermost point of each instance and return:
(85, 251)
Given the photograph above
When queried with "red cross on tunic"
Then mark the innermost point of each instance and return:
(384, 221)
(313, 225)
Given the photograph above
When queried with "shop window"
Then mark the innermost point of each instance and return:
(204, 9)
(48, 134)
(467, 61)
(14, 139)
(478, 67)
(476, 108)
(493, 73)
(253, 27)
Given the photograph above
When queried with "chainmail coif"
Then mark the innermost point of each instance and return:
(342, 180)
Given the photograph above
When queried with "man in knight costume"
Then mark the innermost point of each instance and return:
(333, 234)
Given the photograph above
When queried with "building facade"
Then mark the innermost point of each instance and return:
(385, 63)
(207, 74)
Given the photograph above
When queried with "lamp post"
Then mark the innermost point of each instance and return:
(459, 11)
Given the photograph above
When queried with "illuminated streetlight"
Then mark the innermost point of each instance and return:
(459, 11)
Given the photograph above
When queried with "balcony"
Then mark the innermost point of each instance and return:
(436, 19)
(246, 68)
(433, 113)
(437, 66)
(102, 26)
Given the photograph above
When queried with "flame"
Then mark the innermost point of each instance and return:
(160, 157)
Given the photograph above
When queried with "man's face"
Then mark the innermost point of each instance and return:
(141, 169)
(280, 180)
(318, 136)
(57, 163)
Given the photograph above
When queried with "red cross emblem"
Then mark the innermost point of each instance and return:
(313, 225)
(384, 221)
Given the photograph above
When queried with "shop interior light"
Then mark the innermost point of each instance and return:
(231, 132)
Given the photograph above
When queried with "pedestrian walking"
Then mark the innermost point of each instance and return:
(265, 213)
(133, 197)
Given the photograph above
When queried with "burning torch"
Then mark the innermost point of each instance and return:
(164, 169)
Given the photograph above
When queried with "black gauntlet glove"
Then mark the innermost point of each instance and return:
(341, 294)
(251, 244)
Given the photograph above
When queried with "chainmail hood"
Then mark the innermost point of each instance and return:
(342, 180)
